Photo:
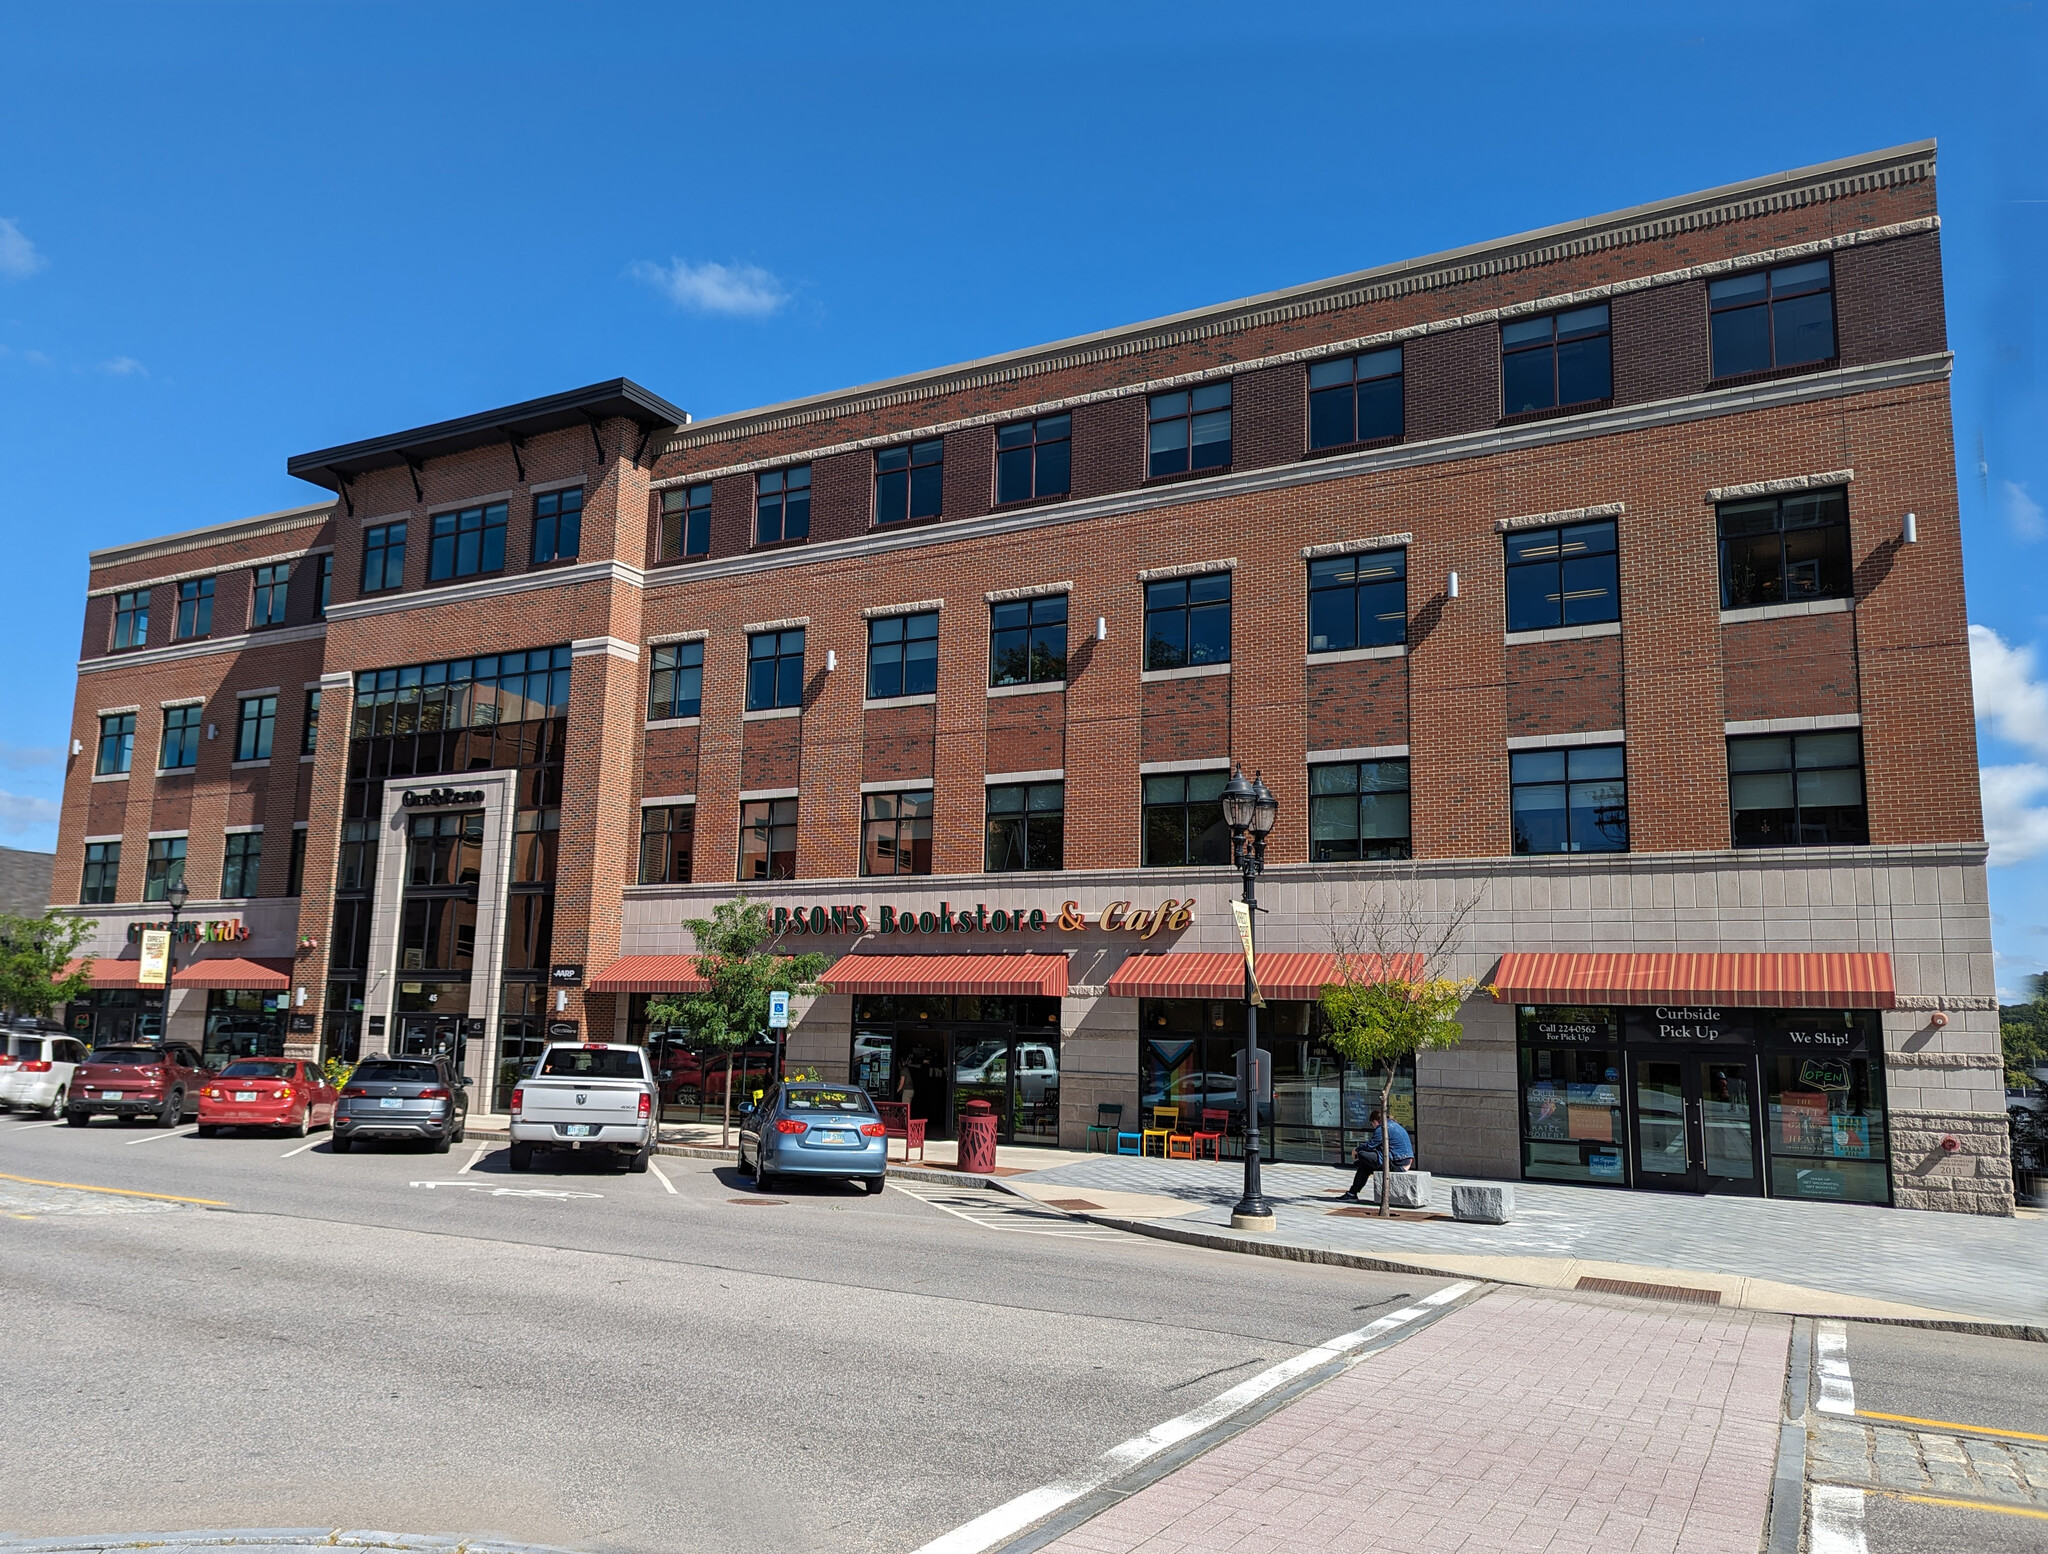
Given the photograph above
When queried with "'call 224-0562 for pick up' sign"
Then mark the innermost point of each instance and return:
(1170, 916)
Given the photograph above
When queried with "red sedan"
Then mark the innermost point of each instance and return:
(266, 1093)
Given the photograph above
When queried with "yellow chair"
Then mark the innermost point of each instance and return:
(1165, 1123)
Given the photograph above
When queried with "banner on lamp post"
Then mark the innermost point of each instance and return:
(156, 957)
(1241, 910)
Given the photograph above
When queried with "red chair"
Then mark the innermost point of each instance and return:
(897, 1123)
(1215, 1125)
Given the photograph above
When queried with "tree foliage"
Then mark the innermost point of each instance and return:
(2023, 1034)
(33, 954)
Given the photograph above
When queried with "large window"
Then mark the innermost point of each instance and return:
(1797, 790)
(1566, 576)
(903, 655)
(478, 693)
(675, 685)
(1034, 458)
(257, 728)
(775, 669)
(181, 738)
(1188, 430)
(117, 744)
(686, 522)
(1559, 359)
(768, 839)
(166, 866)
(1026, 826)
(383, 557)
(1187, 621)
(1785, 549)
(1358, 810)
(295, 864)
(445, 849)
(668, 835)
(910, 482)
(241, 864)
(1027, 640)
(896, 833)
(326, 581)
(195, 607)
(1355, 399)
(468, 541)
(557, 525)
(782, 505)
(273, 587)
(102, 883)
(1772, 318)
(1184, 819)
(1358, 601)
(309, 731)
(1573, 800)
(131, 619)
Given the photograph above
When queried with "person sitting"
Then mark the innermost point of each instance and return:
(1385, 1139)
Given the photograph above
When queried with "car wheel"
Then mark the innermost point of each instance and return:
(305, 1124)
(637, 1164)
(78, 1119)
(764, 1179)
(522, 1157)
(741, 1166)
(876, 1184)
(56, 1107)
(206, 1130)
(441, 1144)
(173, 1112)
(339, 1143)
(462, 1128)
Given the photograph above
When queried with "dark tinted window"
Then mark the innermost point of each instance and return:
(1184, 820)
(1783, 550)
(128, 1055)
(383, 557)
(910, 482)
(775, 669)
(468, 541)
(1358, 810)
(1187, 622)
(782, 505)
(686, 522)
(1358, 601)
(1562, 577)
(903, 655)
(1573, 800)
(1772, 318)
(557, 525)
(1027, 640)
(1355, 399)
(1034, 458)
(259, 1071)
(1559, 359)
(675, 684)
(1188, 430)
(1026, 826)
(583, 1063)
(1798, 790)
(395, 1073)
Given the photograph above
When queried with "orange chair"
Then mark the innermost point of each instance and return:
(1165, 1123)
(1215, 1126)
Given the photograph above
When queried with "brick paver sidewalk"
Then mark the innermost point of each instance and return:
(1524, 1421)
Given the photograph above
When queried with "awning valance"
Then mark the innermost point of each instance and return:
(650, 974)
(1760, 980)
(226, 971)
(1014, 976)
(1294, 975)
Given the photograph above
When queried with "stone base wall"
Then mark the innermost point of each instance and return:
(821, 1036)
(1098, 1065)
(1973, 1178)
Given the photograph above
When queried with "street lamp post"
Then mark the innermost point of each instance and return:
(177, 895)
(1249, 809)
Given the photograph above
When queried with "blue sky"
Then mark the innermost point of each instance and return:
(230, 233)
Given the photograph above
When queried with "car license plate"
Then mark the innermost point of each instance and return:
(392, 1100)
(580, 1130)
(110, 1095)
(245, 1095)
(839, 1138)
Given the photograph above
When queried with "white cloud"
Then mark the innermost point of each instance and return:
(24, 818)
(2022, 511)
(2015, 821)
(2010, 695)
(18, 257)
(124, 367)
(736, 290)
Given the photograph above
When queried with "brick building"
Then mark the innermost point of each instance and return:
(1607, 574)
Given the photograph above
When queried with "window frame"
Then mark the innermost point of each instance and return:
(1568, 782)
(668, 830)
(1768, 304)
(910, 630)
(309, 726)
(1838, 528)
(164, 864)
(907, 831)
(779, 683)
(1349, 387)
(241, 865)
(1554, 345)
(295, 864)
(1024, 817)
(1160, 412)
(1795, 769)
(774, 817)
(124, 732)
(684, 663)
(100, 881)
(1032, 448)
(1187, 805)
(783, 494)
(255, 734)
(194, 619)
(1033, 629)
(187, 721)
(551, 509)
(1389, 851)
(1356, 587)
(269, 595)
(1180, 615)
(385, 541)
(326, 592)
(916, 485)
(131, 608)
(448, 534)
(1557, 566)
(680, 504)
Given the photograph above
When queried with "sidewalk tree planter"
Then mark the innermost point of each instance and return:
(736, 954)
(33, 954)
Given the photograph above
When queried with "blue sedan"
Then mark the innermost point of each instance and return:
(815, 1130)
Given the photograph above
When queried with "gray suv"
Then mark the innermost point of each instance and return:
(401, 1098)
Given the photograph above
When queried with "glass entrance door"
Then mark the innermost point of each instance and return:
(1696, 1122)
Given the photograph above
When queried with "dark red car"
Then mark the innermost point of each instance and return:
(160, 1082)
(266, 1093)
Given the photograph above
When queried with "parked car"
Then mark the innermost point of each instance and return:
(815, 1130)
(586, 1095)
(401, 1098)
(160, 1081)
(267, 1093)
(37, 1076)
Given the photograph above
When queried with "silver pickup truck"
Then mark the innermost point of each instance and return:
(586, 1095)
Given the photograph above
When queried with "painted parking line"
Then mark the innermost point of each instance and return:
(1000, 1211)
(299, 1149)
(119, 1192)
(158, 1138)
(1836, 1522)
(24, 1127)
(655, 1167)
(470, 1164)
(1831, 1360)
(1950, 1424)
(1967, 1505)
(511, 1192)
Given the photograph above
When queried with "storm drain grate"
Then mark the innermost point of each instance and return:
(1073, 1205)
(1651, 1291)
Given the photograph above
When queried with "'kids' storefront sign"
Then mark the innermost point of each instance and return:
(202, 930)
(1170, 916)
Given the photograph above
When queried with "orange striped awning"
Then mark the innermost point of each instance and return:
(1786, 980)
(1220, 974)
(650, 974)
(1014, 976)
(227, 971)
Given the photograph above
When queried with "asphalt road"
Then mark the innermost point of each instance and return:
(613, 1366)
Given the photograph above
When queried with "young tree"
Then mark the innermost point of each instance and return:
(734, 955)
(33, 954)
(1394, 995)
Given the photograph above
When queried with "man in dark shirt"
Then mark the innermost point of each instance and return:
(1385, 1136)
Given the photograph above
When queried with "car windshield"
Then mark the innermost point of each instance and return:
(828, 1101)
(132, 1055)
(396, 1073)
(257, 1071)
(601, 1063)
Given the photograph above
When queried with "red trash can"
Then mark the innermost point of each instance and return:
(978, 1138)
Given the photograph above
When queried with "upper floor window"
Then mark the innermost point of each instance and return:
(675, 687)
(309, 731)
(768, 839)
(1797, 790)
(1184, 820)
(468, 541)
(445, 849)
(266, 605)
(326, 580)
(1187, 621)
(195, 607)
(1785, 549)
(782, 505)
(1026, 826)
(241, 865)
(356, 861)
(536, 835)
(1027, 640)
(131, 619)
(1355, 399)
(668, 836)
(166, 866)
(1188, 429)
(295, 863)
(257, 728)
(896, 833)
(1358, 601)
(1772, 318)
(903, 655)
(496, 689)
(1034, 458)
(102, 874)
(1573, 800)
(557, 525)
(181, 737)
(686, 522)
(1358, 810)
(117, 743)
(1558, 359)
(775, 669)
(383, 557)
(910, 482)
(1567, 576)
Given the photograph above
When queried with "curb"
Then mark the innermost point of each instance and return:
(261, 1539)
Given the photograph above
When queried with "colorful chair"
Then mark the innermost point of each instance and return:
(1108, 1119)
(1215, 1127)
(1127, 1143)
(1165, 1121)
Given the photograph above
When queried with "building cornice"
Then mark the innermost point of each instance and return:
(260, 526)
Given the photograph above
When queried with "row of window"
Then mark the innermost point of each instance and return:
(255, 732)
(192, 612)
(470, 541)
(240, 870)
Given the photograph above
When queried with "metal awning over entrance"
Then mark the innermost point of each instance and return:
(650, 974)
(1298, 975)
(227, 971)
(1786, 980)
(1011, 976)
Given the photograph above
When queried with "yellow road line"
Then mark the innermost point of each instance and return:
(1950, 1424)
(1968, 1505)
(121, 1192)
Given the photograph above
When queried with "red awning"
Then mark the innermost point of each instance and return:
(1026, 976)
(1220, 974)
(650, 974)
(1743, 981)
(223, 971)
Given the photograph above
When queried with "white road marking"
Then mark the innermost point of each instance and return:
(999, 1211)
(1005, 1521)
(1836, 1524)
(655, 1167)
(298, 1149)
(470, 1164)
(1831, 1359)
(510, 1192)
(24, 1127)
(158, 1138)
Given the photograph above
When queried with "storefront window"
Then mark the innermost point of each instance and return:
(1572, 1117)
(692, 1075)
(1825, 1137)
(243, 1024)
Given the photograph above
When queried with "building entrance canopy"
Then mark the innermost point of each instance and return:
(227, 971)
